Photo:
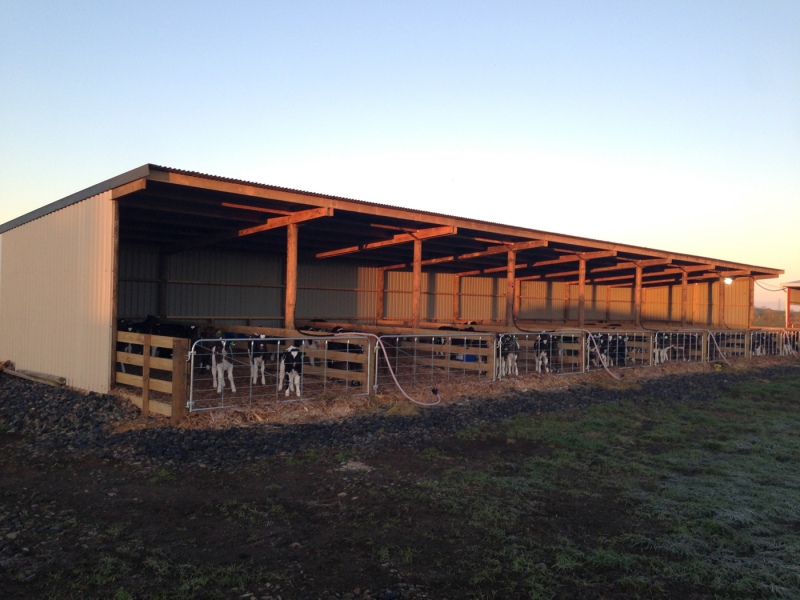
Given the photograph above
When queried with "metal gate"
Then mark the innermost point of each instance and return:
(339, 365)
(432, 358)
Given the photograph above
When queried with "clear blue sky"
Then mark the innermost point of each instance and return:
(673, 124)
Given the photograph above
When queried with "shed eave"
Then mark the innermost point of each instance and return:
(99, 188)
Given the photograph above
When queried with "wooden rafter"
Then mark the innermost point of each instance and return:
(509, 247)
(739, 273)
(632, 265)
(430, 261)
(297, 217)
(292, 219)
(574, 257)
(274, 211)
(564, 260)
(400, 238)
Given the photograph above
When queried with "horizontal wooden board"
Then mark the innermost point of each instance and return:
(159, 341)
(351, 357)
(459, 365)
(336, 373)
(157, 385)
(159, 364)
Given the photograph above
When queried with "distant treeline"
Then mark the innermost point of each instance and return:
(769, 317)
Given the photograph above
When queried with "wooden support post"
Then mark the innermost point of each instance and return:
(581, 292)
(456, 298)
(373, 360)
(416, 290)
(290, 303)
(582, 352)
(721, 300)
(146, 376)
(510, 280)
(380, 303)
(180, 352)
(684, 296)
(637, 298)
(788, 308)
(751, 299)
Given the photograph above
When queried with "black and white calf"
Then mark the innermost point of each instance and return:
(662, 347)
(222, 363)
(789, 344)
(291, 367)
(508, 351)
(608, 349)
(543, 349)
(259, 354)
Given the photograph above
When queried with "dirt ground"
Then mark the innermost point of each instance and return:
(317, 525)
(307, 527)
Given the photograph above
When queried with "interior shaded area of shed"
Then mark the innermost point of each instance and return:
(183, 220)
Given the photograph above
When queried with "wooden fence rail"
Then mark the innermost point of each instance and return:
(166, 375)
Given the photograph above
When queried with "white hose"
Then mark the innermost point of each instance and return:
(379, 343)
(721, 353)
(596, 348)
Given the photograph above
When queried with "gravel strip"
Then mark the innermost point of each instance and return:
(52, 419)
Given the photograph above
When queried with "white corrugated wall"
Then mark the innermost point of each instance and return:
(56, 294)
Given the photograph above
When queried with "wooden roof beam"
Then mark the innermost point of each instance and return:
(474, 272)
(297, 217)
(739, 273)
(274, 211)
(633, 264)
(294, 218)
(509, 247)
(693, 268)
(400, 238)
(430, 261)
(653, 262)
(576, 256)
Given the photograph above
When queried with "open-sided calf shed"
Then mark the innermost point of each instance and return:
(195, 248)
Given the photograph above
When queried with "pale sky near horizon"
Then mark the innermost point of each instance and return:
(673, 125)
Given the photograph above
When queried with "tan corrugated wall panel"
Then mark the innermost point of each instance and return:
(483, 298)
(737, 303)
(656, 304)
(56, 297)
(542, 300)
(336, 291)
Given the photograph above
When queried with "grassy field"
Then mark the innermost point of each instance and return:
(698, 501)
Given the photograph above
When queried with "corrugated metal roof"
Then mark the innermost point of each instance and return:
(167, 202)
(99, 188)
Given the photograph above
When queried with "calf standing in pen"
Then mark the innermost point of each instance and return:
(259, 353)
(221, 363)
(608, 350)
(789, 344)
(542, 350)
(508, 349)
(661, 349)
(291, 367)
